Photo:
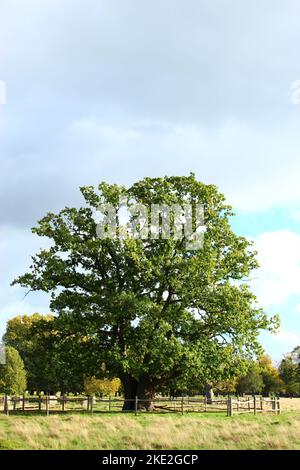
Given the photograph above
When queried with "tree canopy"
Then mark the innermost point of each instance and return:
(252, 382)
(154, 311)
(289, 371)
(51, 356)
(12, 373)
(22, 333)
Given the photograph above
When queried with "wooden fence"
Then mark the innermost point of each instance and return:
(54, 404)
(253, 405)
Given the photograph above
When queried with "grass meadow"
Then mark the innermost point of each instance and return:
(114, 431)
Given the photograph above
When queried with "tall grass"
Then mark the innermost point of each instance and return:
(116, 431)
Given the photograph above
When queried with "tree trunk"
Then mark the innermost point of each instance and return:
(145, 393)
(130, 388)
(141, 388)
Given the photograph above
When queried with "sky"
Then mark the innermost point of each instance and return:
(117, 90)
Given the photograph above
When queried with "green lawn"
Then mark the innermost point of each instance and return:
(117, 431)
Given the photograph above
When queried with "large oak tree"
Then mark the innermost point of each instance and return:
(155, 312)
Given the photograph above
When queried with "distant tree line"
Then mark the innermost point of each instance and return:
(41, 357)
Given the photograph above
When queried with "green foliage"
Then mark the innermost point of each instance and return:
(262, 377)
(252, 382)
(12, 373)
(156, 313)
(24, 334)
(289, 374)
(52, 358)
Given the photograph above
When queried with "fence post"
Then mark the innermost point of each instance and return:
(47, 405)
(182, 406)
(136, 406)
(39, 402)
(109, 403)
(249, 405)
(63, 403)
(273, 404)
(230, 407)
(205, 403)
(278, 406)
(254, 402)
(23, 403)
(261, 403)
(6, 411)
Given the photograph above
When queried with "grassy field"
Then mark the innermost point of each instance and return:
(290, 404)
(117, 431)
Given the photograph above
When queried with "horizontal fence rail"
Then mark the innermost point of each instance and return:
(61, 404)
(253, 405)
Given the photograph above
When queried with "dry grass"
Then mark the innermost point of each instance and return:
(290, 404)
(116, 431)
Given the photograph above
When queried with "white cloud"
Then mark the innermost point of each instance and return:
(288, 338)
(298, 308)
(279, 273)
(16, 248)
(121, 90)
(295, 214)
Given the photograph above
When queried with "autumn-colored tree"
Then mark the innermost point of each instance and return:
(270, 376)
(102, 387)
(226, 386)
